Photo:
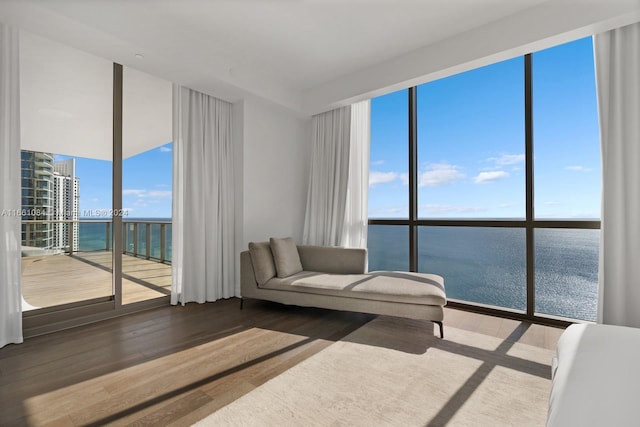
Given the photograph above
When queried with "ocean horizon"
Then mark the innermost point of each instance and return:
(487, 265)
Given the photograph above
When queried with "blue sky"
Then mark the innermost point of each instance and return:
(146, 180)
(471, 142)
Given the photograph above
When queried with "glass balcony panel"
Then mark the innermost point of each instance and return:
(142, 239)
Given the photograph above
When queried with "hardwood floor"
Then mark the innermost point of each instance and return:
(176, 365)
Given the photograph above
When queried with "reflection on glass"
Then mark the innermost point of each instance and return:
(567, 272)
(388, 247)
(479, 264)
(471, 144)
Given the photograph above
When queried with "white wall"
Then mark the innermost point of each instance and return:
(276, 157)
(548, 24)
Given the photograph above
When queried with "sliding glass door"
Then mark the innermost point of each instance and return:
(146, 187)
(96, 184)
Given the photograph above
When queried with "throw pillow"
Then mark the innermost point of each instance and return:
(262, 260)
(286, 257)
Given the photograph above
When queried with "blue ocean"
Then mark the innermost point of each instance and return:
(93, 236)
(487, 265)
(483, 265)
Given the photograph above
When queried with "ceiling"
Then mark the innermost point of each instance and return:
(307, 54)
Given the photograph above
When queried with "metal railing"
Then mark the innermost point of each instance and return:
(132, 231)
(141, 238)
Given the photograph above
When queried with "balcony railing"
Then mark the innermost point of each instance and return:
(148, 239)
(139, 241)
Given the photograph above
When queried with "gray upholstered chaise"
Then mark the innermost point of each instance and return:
(335, 278)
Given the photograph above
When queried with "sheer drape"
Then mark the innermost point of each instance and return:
(203, 245)
(617, 56)
(327, 196)
(339, 180)
(354, 230)
(10, 203)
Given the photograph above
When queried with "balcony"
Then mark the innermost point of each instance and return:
(57, 276)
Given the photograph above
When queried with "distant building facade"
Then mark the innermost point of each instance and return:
(66, 206)
(50, 192)
(37, 198)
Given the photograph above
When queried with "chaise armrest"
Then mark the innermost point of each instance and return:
(333, 260)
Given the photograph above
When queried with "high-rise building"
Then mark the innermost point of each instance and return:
(50, 192)
(37, 198)
(65, 204)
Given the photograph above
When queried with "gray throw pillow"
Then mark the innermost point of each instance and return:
(286, 257)
(262, 260)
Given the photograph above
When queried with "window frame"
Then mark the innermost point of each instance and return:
(529, 223)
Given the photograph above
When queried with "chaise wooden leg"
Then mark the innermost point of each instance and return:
(441, 328)
(241, 303)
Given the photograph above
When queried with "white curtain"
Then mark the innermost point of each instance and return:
(338, 184)
(617, 57)
(203, 245)
(354, 230)
(327, 195)
(10, 203)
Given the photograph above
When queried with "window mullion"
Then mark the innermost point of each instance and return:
(528, 125)
(413, 179)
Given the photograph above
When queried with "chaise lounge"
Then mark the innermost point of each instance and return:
(335, 278)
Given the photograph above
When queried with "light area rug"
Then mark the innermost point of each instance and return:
(394, 372)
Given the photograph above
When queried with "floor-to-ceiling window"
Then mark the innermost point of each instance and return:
(388, 174)
(491, 179)
(470, 157)
(567, 178)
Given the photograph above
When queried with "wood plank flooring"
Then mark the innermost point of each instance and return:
(176, 365)
(60, 279)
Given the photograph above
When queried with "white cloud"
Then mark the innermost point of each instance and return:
(389, 212)
(578, 169)
(143, 194)
(507, 159)
(142, 198)
(377, 162)
(164, 149)
(376, 177)
(404, 177)
(485, 177)
(158, 194)
(448, 209)
(439, 174)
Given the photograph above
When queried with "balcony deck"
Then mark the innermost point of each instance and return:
(61, 279)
